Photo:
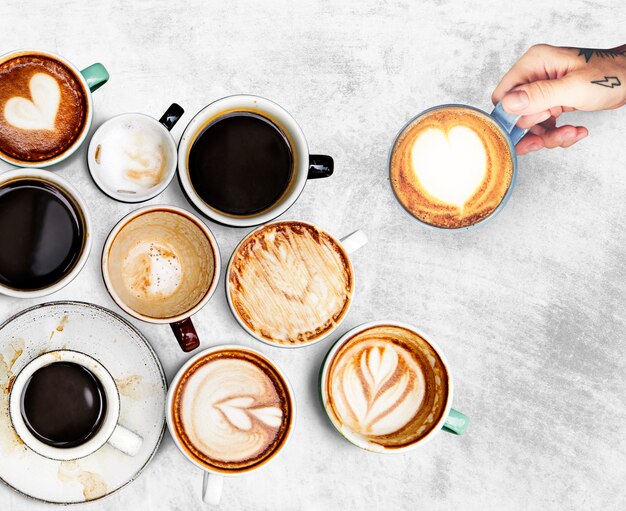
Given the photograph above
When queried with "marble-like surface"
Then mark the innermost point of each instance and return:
(529, 308)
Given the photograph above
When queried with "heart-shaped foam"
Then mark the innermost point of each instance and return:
(39, 112)
(450, 166)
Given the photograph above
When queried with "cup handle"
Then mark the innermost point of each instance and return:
(96, 76)
(456, 423)
(125, 440)
(320, 165)
(353, 242)
(212, 488)
(508, 122)
(186, 334)
(171, 116)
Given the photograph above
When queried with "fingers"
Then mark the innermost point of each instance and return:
(540, 137)
(541, 95)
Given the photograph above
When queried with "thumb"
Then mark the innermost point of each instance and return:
(535, 97)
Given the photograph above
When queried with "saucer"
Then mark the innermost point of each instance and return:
(126, 353)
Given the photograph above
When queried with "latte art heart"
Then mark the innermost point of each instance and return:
(451, 166)
(39, 112)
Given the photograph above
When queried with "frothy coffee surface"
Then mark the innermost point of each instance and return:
(161, 264)
(386, 386)
(231, 410)
(43, 108)
(131, 155)
(451, 167)
(290, 282)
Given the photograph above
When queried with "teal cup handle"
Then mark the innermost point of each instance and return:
(508, 121)
(96, 76)
(456, 423)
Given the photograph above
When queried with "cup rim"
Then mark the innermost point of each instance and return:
(106, 428)
(88, 119)
(128, 218)
(505, 197)
(189, 136)
(21, 173)
(154, 191)
(323, 378)
(247, 328)
(174, 384)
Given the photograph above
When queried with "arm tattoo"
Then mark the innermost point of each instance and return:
(609, 81)
(604, 54)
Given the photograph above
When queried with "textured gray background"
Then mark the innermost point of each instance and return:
(529, 308)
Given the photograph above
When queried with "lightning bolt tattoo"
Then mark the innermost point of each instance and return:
(609, 81)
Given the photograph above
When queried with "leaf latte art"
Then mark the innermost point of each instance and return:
(232, 410)
(387, 386)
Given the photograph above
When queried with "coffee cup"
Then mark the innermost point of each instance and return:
(290, 283)
(161, 264)
(230, 411)
(387, 388)
(132, 157)
(46, 228)
(454, 166)
(46, 107)
(243, 161)
(65, 405)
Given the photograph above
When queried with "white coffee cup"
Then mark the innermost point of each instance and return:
(109, 431)
(57, 182)
(213, 480)
(306, 166)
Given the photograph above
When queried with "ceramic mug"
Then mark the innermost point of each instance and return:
(80, 208)
(451, 420)
(505, 123)
(109, 431)
(91, 78)
(306, 166)
(213, 479)
(120, 122)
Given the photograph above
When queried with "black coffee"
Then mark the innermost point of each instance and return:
(42, 234)
(241, 164)
(63, 404)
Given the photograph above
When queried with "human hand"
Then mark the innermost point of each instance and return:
(549, 80)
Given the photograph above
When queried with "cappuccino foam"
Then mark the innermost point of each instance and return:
(451, 167)
(290, 282)
(43, 108)
(231, 410)
(386, 386)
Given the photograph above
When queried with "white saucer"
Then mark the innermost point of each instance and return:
(125, 352)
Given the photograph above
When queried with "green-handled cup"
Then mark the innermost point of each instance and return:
(46, 107)
(386, 387)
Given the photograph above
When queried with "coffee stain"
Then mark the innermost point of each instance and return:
(94, 485)
(97, 155)
(131, 386)
(10, 443)
(62, 323)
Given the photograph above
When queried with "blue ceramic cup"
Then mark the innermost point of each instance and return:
(501, 120)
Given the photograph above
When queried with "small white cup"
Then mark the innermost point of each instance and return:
(109, 432)
(62, 185)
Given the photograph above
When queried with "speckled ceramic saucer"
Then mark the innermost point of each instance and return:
(125, 352)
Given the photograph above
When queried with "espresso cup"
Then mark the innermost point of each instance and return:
(453, 167)
(161, 264)
(46, 230)
(230, 411)
(46, 105)
(67, 432)
(387, 388)
(132, 157)
(290, 283)
(243, 161)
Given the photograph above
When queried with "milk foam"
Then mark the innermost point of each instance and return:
(152, 269)
(131, 156)
(450, 166)
(230, 410)
(40, 111)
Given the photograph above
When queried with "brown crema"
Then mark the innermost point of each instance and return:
(277, 396)
(290, 282)
(387, 386)
(489, 194)
(38, 145)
